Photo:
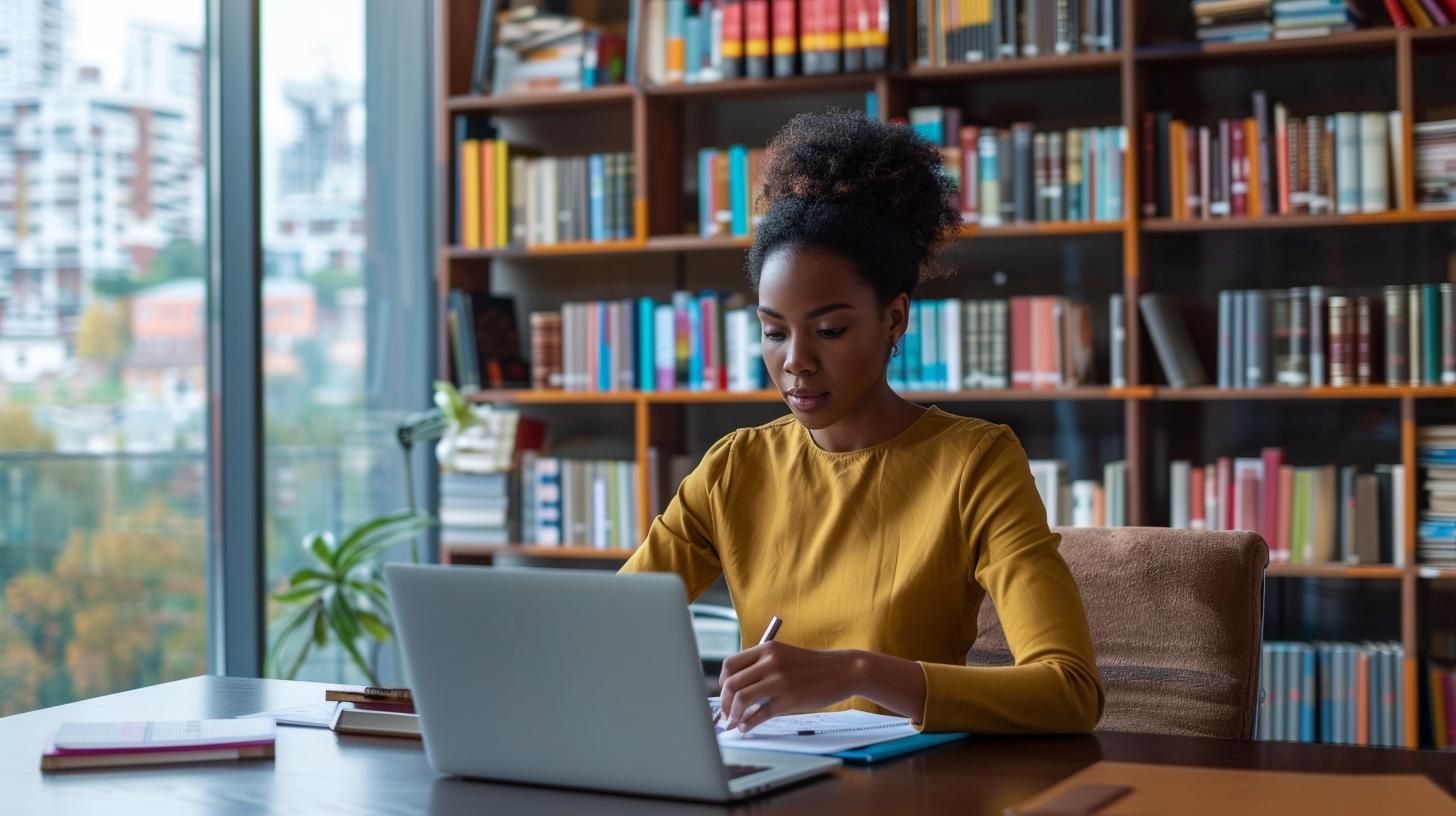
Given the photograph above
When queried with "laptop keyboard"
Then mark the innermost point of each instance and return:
(740, 771)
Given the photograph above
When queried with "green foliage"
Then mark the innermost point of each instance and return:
(180, 258)
(340, 594)
(328, 283)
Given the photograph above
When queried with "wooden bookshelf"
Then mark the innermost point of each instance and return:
(1001, 69)
(1115, 88)
(1379, 572)
(604, 97)
(1363, 41)
(1286, 222)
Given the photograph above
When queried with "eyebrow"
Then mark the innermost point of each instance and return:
(819, 312)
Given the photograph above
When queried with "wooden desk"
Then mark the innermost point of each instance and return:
(318, 772)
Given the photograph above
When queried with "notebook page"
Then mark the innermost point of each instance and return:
(161, 734)
(825, 732)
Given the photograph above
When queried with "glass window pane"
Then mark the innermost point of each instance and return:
(103, 400)
(331, 459)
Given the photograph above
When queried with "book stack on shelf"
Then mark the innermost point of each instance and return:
(1338, 693)
(475, 508)
(1436, 541)
(1435, 163)
(567, 502)
(1314, 336)
(1231, 21)
(1019, 175)
(950, 32)
(1307, 515)
(1299, 19)
(726, 181)
(528, 50)
(703, 342)
(511, 200)
(1273, 163)
(715, 40)
(1082, 502)
(1020, 343)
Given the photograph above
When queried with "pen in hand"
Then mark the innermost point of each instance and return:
(768, 635)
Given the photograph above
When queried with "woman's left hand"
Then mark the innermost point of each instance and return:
(772, 679)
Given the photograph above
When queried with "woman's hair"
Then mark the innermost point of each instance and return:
(871, 192)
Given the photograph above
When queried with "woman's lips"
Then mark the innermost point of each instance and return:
(807, 401)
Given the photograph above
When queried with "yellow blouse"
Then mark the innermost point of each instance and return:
(890, 549)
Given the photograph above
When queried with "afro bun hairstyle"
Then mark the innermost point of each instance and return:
(871, 192)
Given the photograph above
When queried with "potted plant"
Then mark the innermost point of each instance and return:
(340, 595)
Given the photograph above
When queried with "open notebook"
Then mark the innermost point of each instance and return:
(826, 732)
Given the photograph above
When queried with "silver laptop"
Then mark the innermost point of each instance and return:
(572, 678)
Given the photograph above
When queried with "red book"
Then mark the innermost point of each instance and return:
(970, 137)
(1021, 372)
(785, 39)
(1239, 170)
(708, 304)
(856, 22)
(1045, 343)
(809, 26)
(831, 35)
(756, 39)
(1286, 512)
(1281, 157)
(1197, 515)
(1397, 14)
(1269, 502)
(1225, 493)
(732, 44)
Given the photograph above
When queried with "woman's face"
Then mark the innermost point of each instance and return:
(825, 338)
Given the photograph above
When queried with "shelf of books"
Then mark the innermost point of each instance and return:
(1159, 288)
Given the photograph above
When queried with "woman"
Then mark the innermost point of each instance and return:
(872, 526)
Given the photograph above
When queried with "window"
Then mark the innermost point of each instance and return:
(346, 333)
(103, 497)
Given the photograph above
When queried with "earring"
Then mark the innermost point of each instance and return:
(894, 348)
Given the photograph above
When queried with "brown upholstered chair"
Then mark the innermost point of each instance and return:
(1175, 618)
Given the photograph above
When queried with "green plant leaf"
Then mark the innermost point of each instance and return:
(296, 595)
(449, 401)
(364, 540)
(382, 539)
(342, 617)
(320, 630)
(318, 544)
(304, 575)
(307, 647)
(377, 629)
(284, 635)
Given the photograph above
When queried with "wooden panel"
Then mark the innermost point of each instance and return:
(1375, 39)
(606, 96)
(1069, 64)
(477, 553)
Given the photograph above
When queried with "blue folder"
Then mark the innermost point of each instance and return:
(870, 754)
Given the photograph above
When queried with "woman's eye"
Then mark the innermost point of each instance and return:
(830, 334)
(773, 335)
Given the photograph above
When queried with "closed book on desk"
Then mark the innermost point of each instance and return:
(353, 720)
(120, 744)
(879, 752)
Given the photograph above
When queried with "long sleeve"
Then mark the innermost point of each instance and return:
(682, 539)
(1053, 686)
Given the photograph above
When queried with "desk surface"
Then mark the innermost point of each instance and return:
(317, 771)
